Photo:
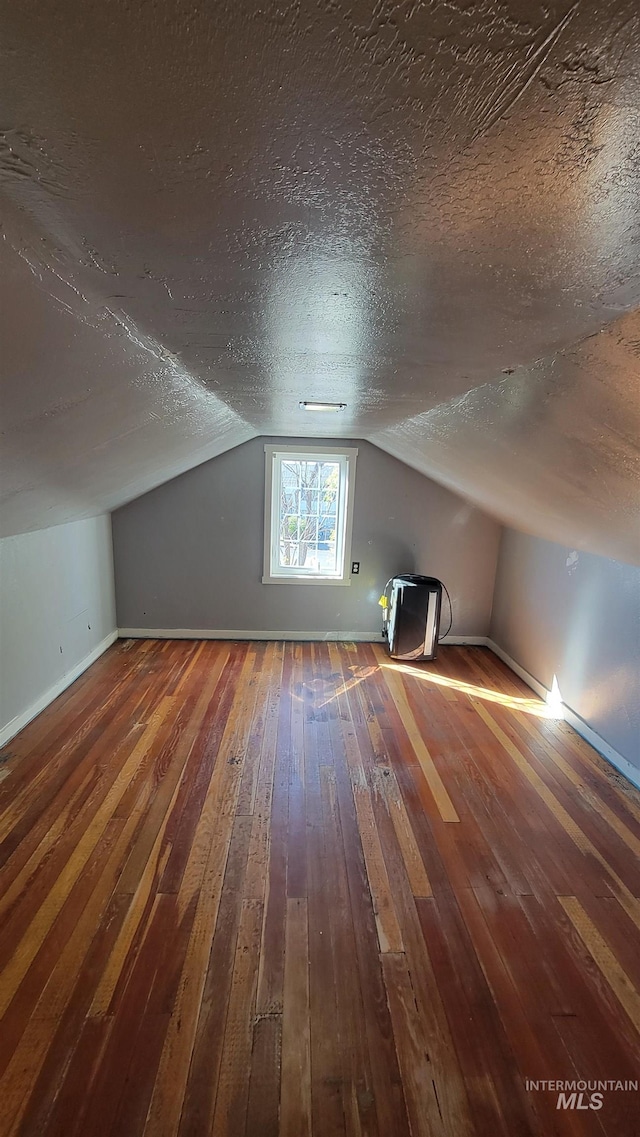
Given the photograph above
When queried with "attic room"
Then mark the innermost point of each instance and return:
(311, 314)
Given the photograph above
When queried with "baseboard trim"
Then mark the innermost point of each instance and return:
(20, 721)
(243, 634)
(471, 641)
(622, 764)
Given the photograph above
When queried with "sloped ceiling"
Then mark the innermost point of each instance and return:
(428, 210)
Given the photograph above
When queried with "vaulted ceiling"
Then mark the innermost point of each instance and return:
(428, 210)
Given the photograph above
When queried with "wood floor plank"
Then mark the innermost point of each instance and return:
(386, 784)
(63, 968)
(271, 975)
(295, 1092)
(202, 881)
(350, 983)
(605, 960)
(263, 1107)
(497, 1098)
(570, 826)
(436, 785)
(259, 805)
(370, 1060)
(296, 823)
(389, 934)
(326, 1058)
(18, 967)
(596, 823)
(423, 1106)
(72, 722)
(301, 889)
(233, 1085)
(204, 1071)
(533, 1060)
(447, 1074)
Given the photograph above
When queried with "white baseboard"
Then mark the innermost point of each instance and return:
(235, 634)
(631, 772)
(472, 641)
(20, 721)
(242, 634)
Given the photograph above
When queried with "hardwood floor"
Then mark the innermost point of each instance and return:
(297, 889)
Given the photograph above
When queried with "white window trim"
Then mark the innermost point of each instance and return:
(302, 452)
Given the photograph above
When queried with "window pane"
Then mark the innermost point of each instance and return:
(307, 522)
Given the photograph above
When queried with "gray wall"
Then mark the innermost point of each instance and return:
(57, 607)
(189, 555)
(575, 616)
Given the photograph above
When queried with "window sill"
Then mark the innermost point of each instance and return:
(306, 580)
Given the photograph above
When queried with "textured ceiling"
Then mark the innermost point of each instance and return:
(427, 210)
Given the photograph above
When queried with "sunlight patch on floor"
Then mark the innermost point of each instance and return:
(552, 709)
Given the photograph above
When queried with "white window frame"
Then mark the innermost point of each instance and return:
(293, 574)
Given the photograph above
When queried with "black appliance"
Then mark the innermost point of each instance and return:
(413, 621)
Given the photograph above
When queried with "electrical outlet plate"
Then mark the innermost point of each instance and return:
(355, 567)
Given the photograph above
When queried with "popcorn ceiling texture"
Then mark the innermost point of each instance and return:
(427, 210)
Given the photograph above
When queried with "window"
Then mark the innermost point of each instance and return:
(308, 514)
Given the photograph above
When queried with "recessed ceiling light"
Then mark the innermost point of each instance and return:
(306, 405)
